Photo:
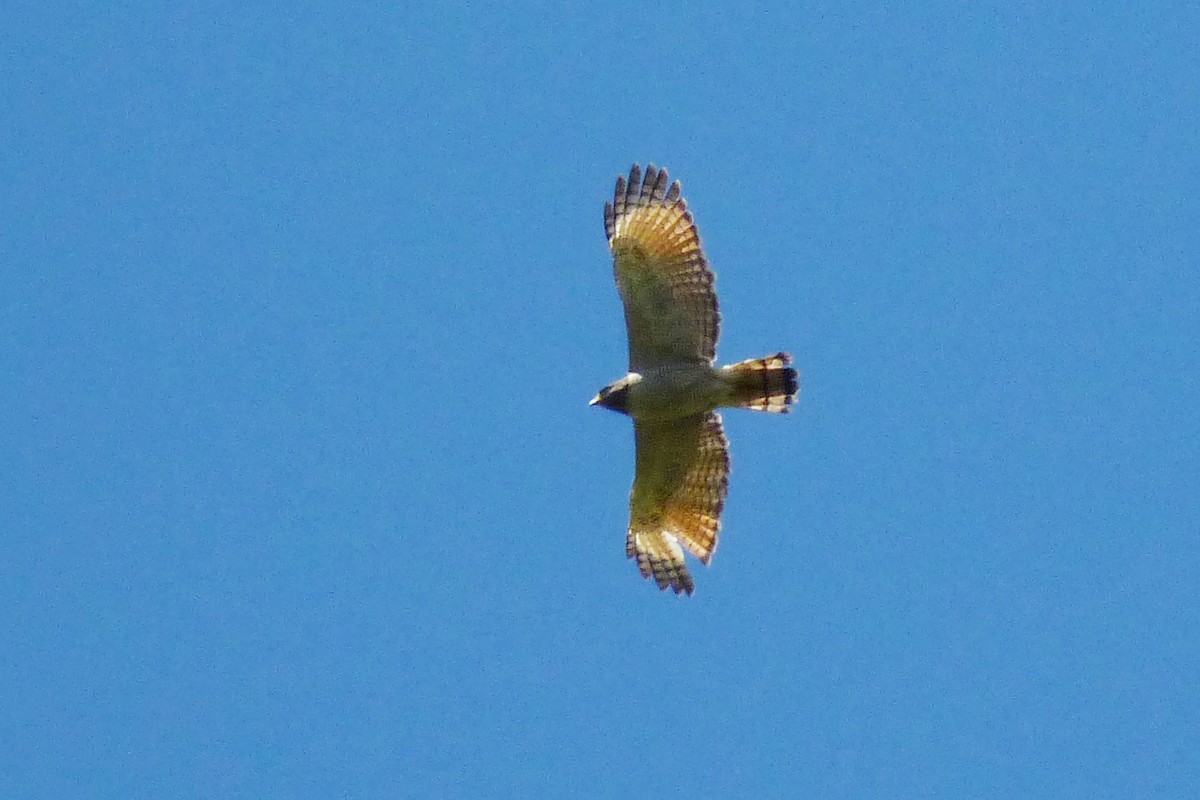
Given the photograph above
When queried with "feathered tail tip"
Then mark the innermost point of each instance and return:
(764, 384)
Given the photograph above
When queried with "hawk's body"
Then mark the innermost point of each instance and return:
(672, 389)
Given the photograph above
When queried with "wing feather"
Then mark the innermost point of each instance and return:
(665, 283)
(679, 490)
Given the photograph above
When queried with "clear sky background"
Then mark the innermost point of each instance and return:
(300, 495)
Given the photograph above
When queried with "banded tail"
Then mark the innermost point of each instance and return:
(763, 384)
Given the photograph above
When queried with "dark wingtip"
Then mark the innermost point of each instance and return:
(683, 584)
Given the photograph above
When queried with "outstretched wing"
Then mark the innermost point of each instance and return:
(679, 489)
(664, 280)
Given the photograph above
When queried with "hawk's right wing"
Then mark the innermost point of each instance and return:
(664, 280)
(679, 489)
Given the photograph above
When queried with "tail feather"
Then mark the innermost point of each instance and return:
(764, 384)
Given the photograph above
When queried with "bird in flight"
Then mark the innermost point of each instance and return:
(673, 387)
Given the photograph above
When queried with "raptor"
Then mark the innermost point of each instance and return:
(674, 387)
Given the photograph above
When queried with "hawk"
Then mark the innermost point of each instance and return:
(673, 387)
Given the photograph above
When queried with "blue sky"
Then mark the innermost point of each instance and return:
(301, 311)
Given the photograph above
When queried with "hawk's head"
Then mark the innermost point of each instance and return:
(615, 396)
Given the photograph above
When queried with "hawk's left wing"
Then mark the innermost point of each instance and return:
(679, 489)
(665, 283)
